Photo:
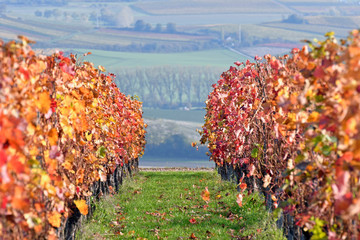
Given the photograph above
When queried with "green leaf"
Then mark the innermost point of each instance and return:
(101, 152)
(299, 158)
(329, 34)
(326, 150)
(317, 231)
(254, 152)
(319, 98)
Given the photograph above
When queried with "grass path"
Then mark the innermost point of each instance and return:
(169, 205)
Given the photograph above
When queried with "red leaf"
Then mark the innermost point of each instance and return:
(295, 50)
(4, 202)
(53, 105)
(243, 186)
(192, 221)
(3, 158)
(319, 72)
(16, 165)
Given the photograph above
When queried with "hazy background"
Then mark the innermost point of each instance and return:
(170, 52)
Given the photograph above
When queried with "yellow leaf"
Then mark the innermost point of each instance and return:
(101, 68)
(66, 127)
(31, 129)
(350, 126)
(67, 165)
(55, 219)
(88, 136)
(45, 180)
(313, 117)
(82, 206)
(67, 101)
(43, 102)
(53, 137)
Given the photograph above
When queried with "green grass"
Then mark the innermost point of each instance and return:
(116, 60)
(161, 205)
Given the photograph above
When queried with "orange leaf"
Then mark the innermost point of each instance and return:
(205, 194)
(82, 206)
(313, 117)
(55, 219)
(192, 236)
(43, 103)
(243, 186)
(53, 137)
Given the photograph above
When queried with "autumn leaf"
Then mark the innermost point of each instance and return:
(266, 180)
(3, 158)
(313, 117)
(88, 136)
(192, 221)
(53, 137)
(101, 68)
(43, 102)
(192, 236)
(205, 195)
(54, 219)
(239, 199)
(243, 186)
(82, 206)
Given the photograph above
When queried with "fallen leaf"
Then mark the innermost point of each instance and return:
(192, 221)
(243, 186)
(267, 180)
(205, 194)
(192, 236)
(239, 199)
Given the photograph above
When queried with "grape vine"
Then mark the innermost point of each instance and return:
(63, 125)
(293, 123)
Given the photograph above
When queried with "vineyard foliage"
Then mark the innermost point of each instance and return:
(63, 125)
(293, 122)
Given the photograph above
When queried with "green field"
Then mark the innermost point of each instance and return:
(116, 60)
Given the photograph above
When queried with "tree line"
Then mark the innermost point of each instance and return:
(169, 86)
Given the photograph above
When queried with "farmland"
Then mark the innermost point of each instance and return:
(198, 25)
(116, 60)
(210, 7)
